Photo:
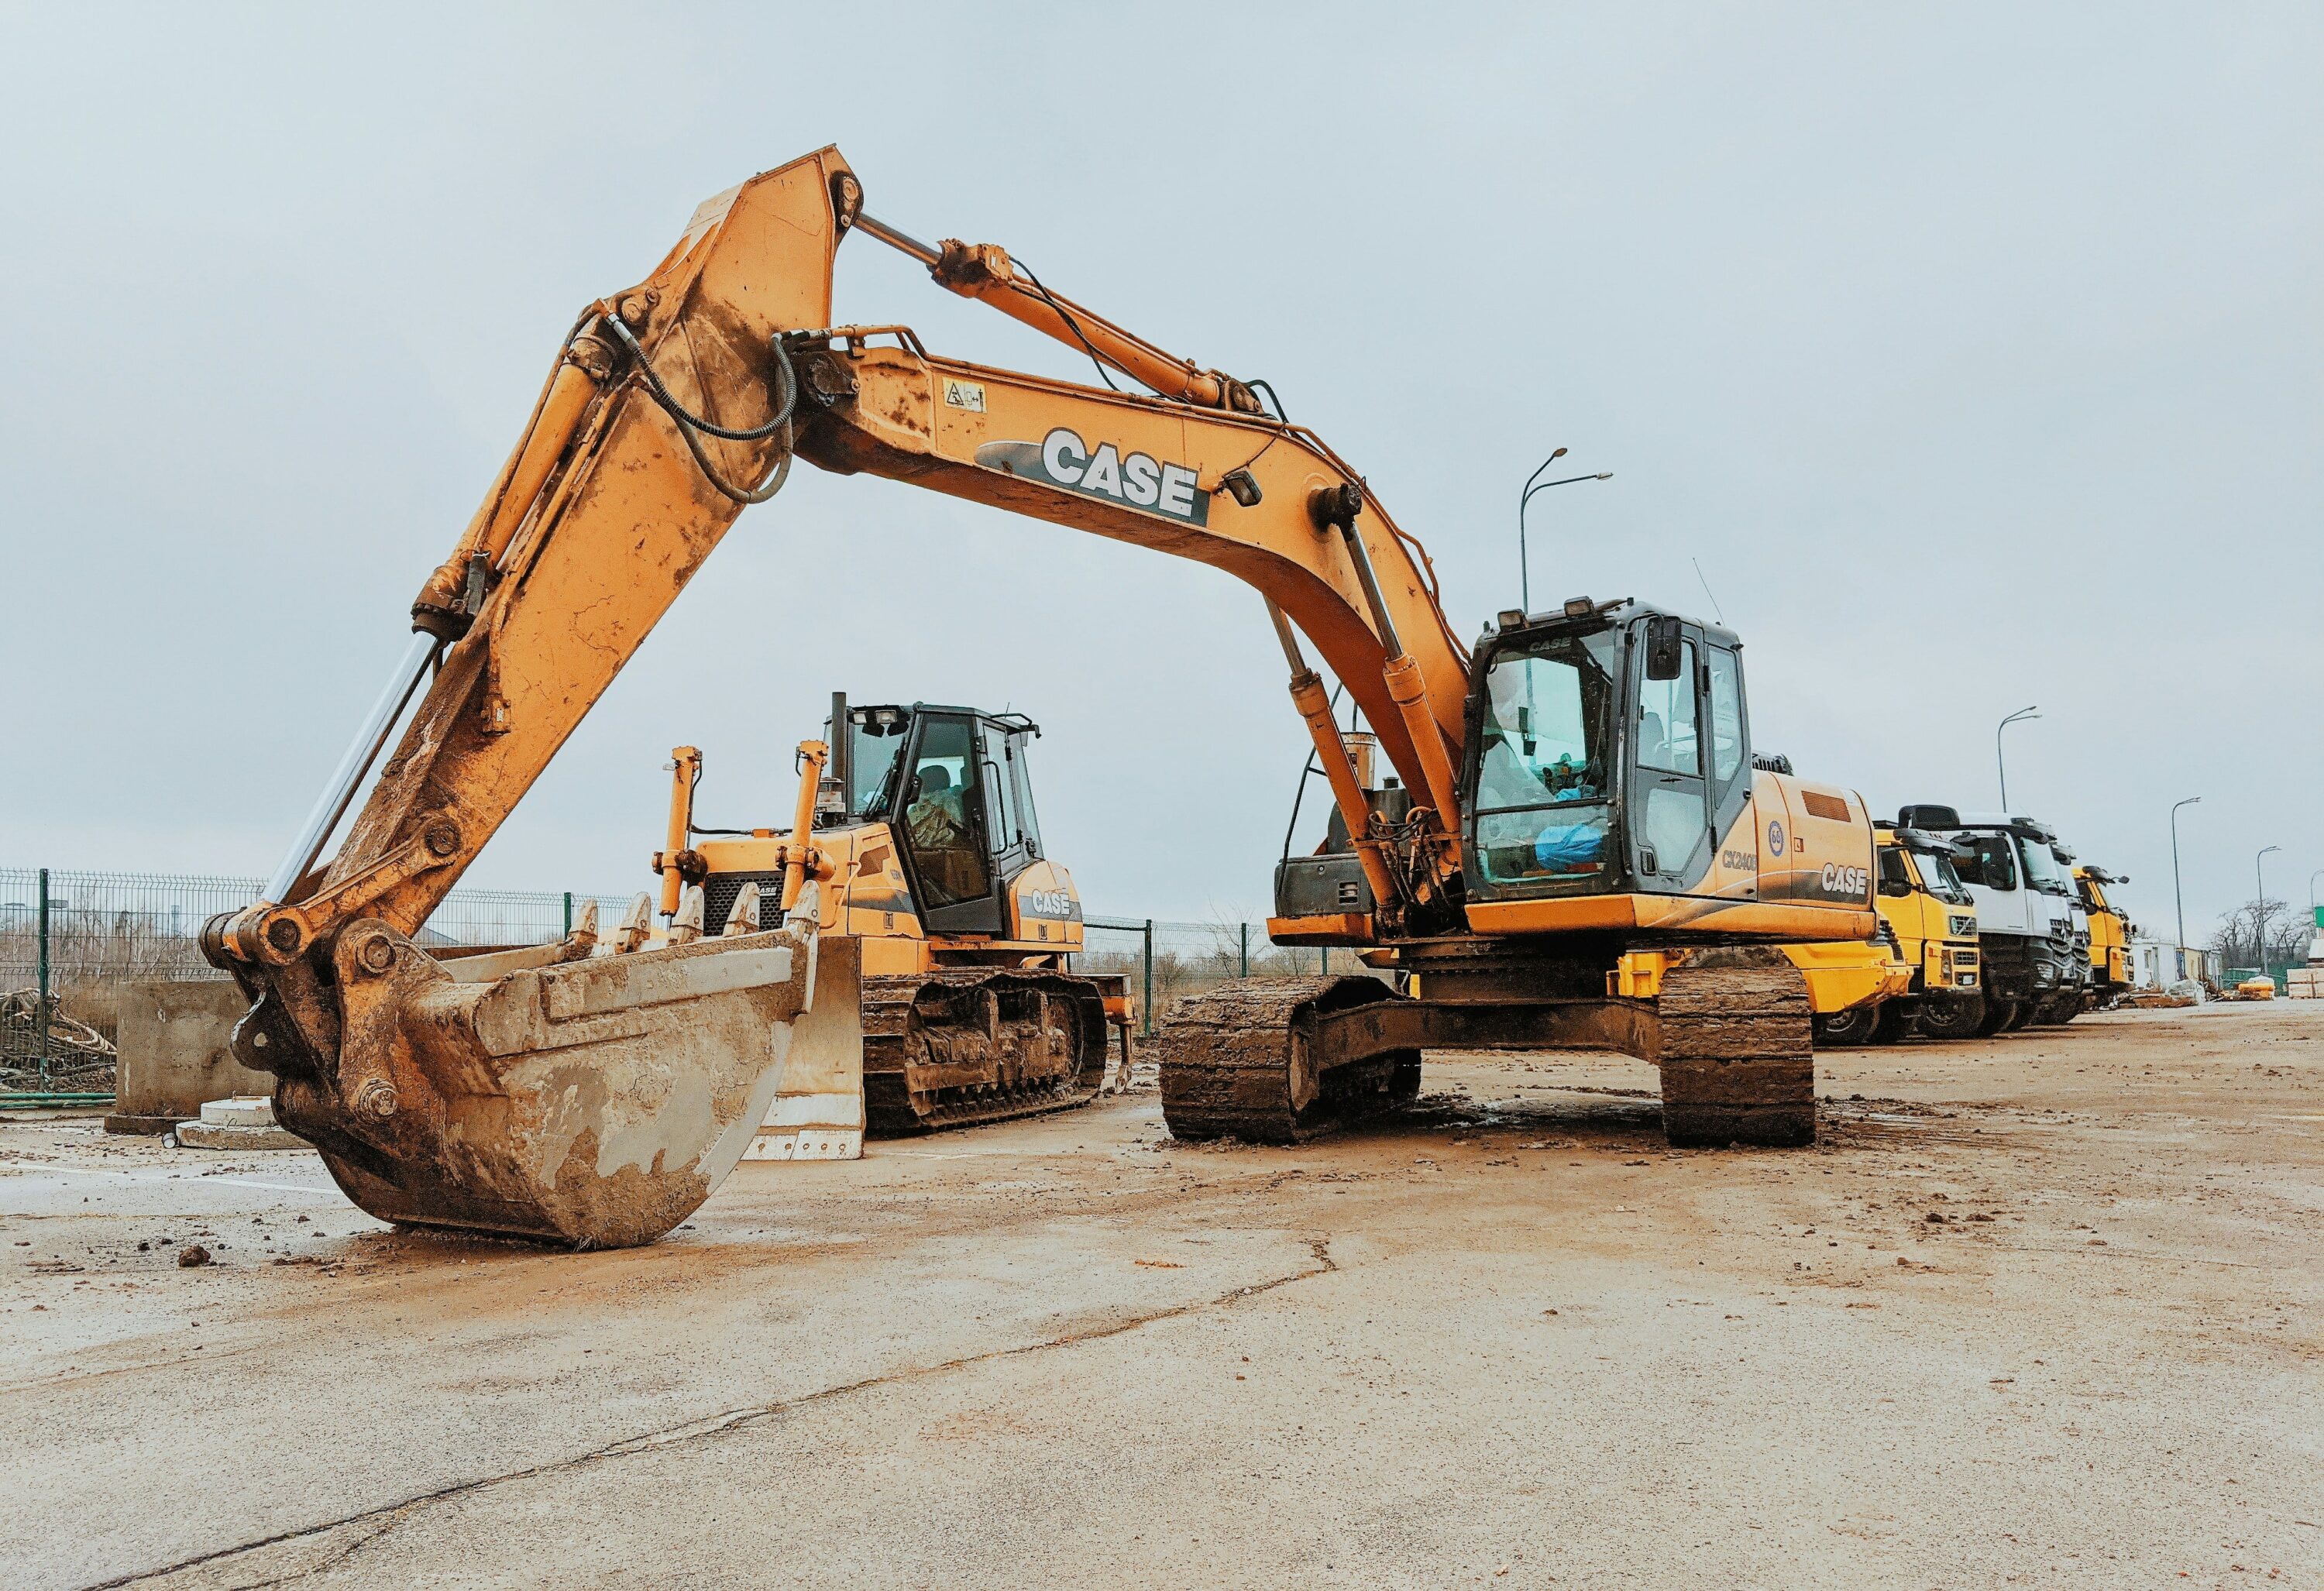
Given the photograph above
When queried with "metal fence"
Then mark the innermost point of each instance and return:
(1168, 962)
(69, 938)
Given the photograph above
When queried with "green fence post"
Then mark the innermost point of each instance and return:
(1245, 972)
(1146, 1005)
(568, 914)
(41, 1000)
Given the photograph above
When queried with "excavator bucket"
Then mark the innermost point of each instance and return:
(587, 1099)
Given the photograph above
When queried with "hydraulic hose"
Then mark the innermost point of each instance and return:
(690, 423)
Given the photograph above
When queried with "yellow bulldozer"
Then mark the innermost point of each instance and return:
(1578, 849)
(919, 824)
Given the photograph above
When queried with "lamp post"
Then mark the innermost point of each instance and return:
(1533, 483)
(2259, 907)
(2177, 895)
(1998, 764)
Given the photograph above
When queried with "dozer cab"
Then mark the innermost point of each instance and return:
(919, 826)
(582, 1099)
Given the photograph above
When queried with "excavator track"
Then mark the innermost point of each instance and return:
(1734, 1042)
(956, 1048)
(1236, 1062)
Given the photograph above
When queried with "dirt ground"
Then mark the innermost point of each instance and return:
(2040, 1310)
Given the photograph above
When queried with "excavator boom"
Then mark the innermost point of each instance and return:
(579, 1100)
(564, 1096)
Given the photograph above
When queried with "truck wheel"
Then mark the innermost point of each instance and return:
(1954, 1019)
(1849, 1028)
(1999, 1015)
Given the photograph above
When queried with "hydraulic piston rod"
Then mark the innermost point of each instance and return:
(332, 804)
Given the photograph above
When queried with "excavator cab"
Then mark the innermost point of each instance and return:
(1610, 753)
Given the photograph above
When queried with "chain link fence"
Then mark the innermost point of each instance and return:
(1167, 961)
(69, 940)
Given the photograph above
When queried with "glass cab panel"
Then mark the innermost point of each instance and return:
(1545, 770)
(1669, 792)
(943, 827)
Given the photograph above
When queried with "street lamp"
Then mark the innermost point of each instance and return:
(1997, 763)
(1535, 483)
(2259, 907)
(2176, 894)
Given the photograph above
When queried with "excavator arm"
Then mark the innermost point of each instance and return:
(595, 1099)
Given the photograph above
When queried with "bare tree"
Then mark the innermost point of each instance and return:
(2261, 933)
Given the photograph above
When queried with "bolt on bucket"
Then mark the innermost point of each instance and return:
(594, 1100)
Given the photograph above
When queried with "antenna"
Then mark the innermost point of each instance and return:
(1706, 589)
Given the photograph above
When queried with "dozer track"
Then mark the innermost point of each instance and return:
(1244, 1061)
(958, 1047)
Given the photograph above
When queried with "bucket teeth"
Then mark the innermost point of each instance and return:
(742, 917)
(592, 1102)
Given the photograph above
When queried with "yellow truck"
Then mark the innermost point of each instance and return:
(1928, 917)
(2110, 934)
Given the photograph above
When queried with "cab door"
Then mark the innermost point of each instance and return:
(1670, 800)
(941, 827)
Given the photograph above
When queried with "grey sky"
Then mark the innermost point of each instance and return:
(1974, 352)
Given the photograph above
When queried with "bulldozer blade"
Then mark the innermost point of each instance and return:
(592, 1103)
(817, 1112)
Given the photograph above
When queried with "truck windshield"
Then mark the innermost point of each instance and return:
(2042, 869)
(1937, 873)
(1544, 769)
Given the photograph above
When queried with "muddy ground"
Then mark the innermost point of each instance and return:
(2040, 1310)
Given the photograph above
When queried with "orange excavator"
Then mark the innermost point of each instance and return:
(1577, 848)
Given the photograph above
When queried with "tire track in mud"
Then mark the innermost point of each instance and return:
(386, 1517)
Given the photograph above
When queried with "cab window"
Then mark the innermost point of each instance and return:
(940, 814)
(1021, 776)
(1667, 741)
(1989, 860)
(1726, 715)
(999, 792)
(1544, 778)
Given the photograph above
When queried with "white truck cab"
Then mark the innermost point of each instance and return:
(2035, 959)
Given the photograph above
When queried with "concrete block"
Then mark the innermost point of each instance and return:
(172, 1037)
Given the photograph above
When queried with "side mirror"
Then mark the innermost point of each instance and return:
(1663, 648)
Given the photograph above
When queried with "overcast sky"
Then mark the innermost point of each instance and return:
(1977, 354)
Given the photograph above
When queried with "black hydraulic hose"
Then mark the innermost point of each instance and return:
(1095, 358)
(690, 424)
(696, 422)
